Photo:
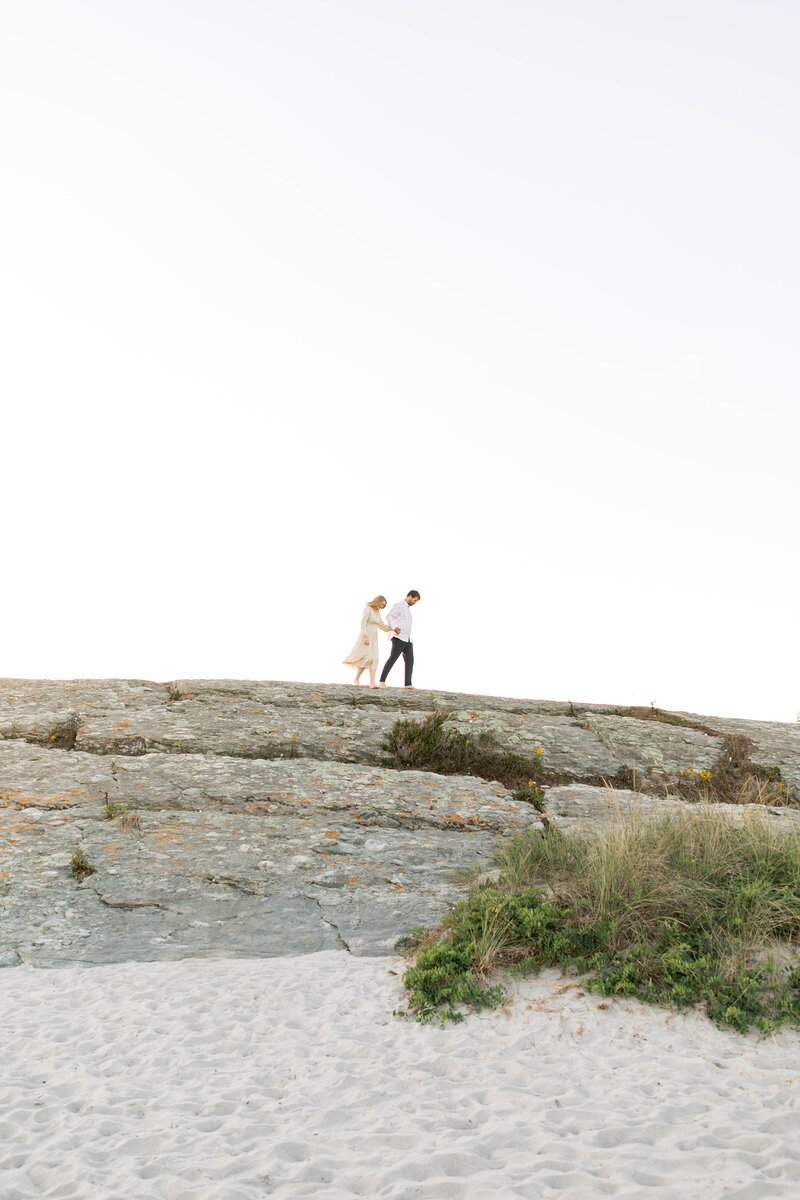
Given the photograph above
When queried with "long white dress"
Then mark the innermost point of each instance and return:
(367, 656)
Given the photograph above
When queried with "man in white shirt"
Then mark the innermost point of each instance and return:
(400, 620)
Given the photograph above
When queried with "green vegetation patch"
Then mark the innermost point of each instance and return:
(676, 911)
(79, 865)
(432, 745)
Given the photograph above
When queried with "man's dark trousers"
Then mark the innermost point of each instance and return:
(407, 650)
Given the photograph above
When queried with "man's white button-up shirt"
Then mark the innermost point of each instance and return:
(400, 617)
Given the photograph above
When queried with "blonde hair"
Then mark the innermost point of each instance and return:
(378, 602)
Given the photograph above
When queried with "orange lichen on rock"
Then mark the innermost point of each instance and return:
(59, 800)
(168, 835)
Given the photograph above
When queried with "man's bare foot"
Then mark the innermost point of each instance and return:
(410, 687)
(381, 684)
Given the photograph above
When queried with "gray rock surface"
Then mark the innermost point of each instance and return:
(583, 809)
(267, 819)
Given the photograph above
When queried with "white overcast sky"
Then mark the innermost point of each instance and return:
(305, 300)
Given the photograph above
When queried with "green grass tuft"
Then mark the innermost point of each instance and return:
(79, 865)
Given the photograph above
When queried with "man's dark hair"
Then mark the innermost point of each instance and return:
(414, 594)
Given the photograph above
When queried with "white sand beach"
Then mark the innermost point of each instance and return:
(290, 1077)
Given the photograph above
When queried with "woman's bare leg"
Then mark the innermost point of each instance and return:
(372, 683)
(359, 673)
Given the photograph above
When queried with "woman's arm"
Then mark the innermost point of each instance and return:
(365, 624)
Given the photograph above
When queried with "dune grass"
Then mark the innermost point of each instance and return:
(679, 910)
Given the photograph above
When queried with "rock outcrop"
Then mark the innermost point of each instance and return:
(228, 817)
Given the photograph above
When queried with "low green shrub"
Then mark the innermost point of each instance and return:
(676, 911)
(430, 745)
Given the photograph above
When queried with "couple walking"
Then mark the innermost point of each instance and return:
(364, 655)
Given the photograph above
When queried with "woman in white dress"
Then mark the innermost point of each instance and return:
(364, 655)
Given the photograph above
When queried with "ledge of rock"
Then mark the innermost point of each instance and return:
(264, 818)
